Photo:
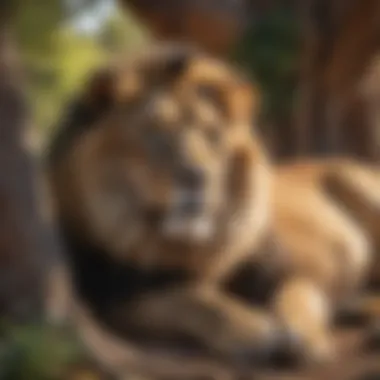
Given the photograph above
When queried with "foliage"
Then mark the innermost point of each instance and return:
(269, 53)
(58, 57)
(121, 31)
(38, 352)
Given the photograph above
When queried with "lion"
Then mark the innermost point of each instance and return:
(164, 192)
(160, 189)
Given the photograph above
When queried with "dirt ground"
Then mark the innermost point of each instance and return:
(357, 361)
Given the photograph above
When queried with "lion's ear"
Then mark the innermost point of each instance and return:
(177, 64)
(174, 64)
(120, 84)
(113, 85)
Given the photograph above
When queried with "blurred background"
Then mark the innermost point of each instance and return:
(62, 41)
(315, 62)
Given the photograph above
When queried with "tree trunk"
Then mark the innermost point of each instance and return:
(337, 110)
(23, 244)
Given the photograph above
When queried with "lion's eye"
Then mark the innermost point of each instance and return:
(213, 96)
(208, 92)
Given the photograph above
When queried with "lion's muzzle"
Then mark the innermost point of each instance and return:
(189, 216)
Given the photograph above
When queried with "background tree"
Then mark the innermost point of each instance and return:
(339, 80)
(23, 240)
(43, 61)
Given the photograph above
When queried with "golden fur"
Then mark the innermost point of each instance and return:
(313, 224)
(326, 219)
(334, 202)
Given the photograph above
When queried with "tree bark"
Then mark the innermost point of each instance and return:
(337, 110)
(23, 238)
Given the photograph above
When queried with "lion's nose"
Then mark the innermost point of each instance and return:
(190, 178)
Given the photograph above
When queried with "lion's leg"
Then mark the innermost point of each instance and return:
(338, 261)
(222, 324)
(304, 311)
(353, 251)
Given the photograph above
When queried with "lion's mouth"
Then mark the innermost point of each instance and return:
(198, 229)
(188, 217)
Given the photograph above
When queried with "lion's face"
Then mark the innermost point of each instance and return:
(165, 150)
(174, 159)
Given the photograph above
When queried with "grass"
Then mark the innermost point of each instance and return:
(42, 352)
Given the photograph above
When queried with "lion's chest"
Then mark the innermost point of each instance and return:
(103, 281)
